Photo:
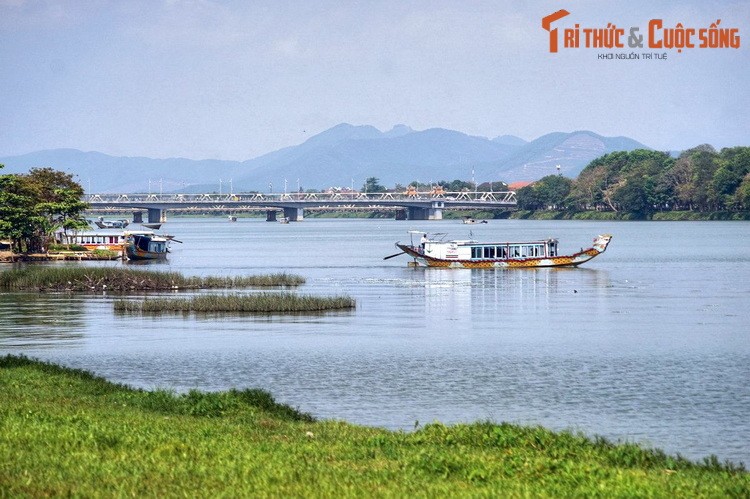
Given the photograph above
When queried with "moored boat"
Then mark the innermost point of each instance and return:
(111, 224)
(146, 246)
(94, 240)
(475, 255)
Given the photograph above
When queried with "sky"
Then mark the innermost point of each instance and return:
(233, 80)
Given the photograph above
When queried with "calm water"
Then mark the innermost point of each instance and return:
(649, 342)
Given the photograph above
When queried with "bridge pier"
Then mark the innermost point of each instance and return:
(157, 215)
(270, 215)
(137, 217)
(294, 214)
(434, 212)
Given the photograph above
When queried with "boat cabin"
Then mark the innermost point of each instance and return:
(473, 250)
(94, 240)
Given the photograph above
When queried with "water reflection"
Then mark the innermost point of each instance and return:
(34, 320)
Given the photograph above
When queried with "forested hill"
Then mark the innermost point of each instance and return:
(642, 182)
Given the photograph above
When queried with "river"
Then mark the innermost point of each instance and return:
(649, 342)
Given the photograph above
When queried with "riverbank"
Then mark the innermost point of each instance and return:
(67, 432)
(661, 216)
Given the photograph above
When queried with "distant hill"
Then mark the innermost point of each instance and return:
(571, 151)
(340, 156)
(104, 173)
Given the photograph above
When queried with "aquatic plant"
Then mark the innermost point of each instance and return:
(70, 278)
(238, 303)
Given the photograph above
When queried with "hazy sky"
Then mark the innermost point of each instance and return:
(236, 79)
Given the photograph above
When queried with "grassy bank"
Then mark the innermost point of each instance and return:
(236, 303)
(66, 432)
(126, 279)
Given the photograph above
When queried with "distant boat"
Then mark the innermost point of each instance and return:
(146, 246)
(152, 226)
(475, 255)
(232, 218)
(111, 224)
(473, 221)
(283, 220)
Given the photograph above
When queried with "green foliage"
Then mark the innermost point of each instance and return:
(456, 185)
(34, 205)
(238, 303)
(66, 432)
(642, 183)
(372, 184)
(549, 193)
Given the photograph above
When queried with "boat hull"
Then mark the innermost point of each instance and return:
(137, 254)
(143, 247)
(573, 260)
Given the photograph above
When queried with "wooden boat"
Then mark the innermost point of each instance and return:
(146, 246)
(111, 224)
(94, 240)
(475, 255)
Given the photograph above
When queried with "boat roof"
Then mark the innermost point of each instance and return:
(500, 243)
(103, 232)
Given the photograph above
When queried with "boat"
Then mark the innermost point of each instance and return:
(474, 221)
(283, 220)
(146, 246)
(155, 226)
(232, 218)
(472, 254)
(111, 224)
(93, 240)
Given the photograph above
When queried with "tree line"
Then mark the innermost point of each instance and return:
(642, 182)
(35, 205)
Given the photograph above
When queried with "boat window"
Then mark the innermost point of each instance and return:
(476, 252)
(501, 252)
(489, 252)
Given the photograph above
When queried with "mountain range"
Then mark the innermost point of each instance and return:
(342, 156)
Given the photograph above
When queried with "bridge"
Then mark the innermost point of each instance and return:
(418, 205)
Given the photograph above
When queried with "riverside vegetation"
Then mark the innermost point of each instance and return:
(255, 303)
(68, 278)
(68, 432)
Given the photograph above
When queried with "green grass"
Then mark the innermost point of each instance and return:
(238, 303)
(69, 278)
(66, 432)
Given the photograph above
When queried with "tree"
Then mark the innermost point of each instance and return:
(372, 184)
(35, 205)
(527, 198)
(553, 191)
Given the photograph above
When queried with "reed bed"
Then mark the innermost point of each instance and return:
(126, 279)
(238, 303)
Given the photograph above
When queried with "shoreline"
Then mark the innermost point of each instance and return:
(70, 432)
